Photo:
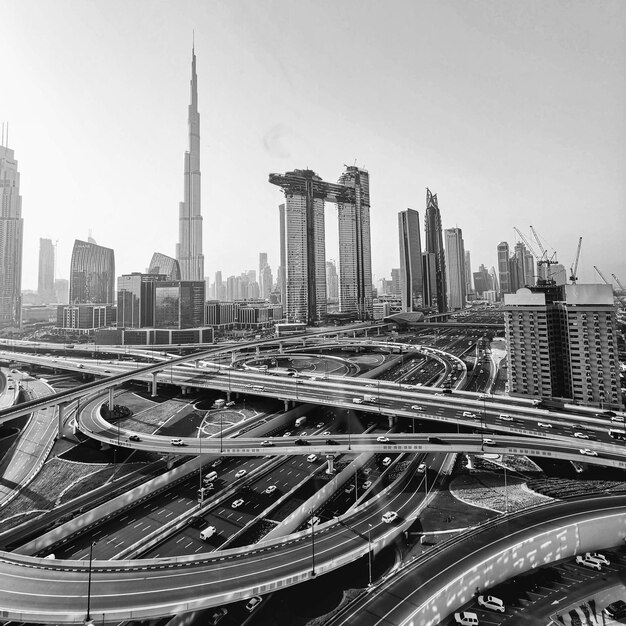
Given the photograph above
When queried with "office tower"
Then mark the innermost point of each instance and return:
(434, 244)
(179, 304)
(411, 278)
(136, 297)
(482, 280)
(163, 264)
(332, 281)
(530, 269)
(262, 265)
(561, 342)
(282, 269)
(355, 257)
(11, 236)
(455, 265)
(267, 282)
(504, 271)
(189, 247)
(396, 289)
(468, 274)
(429, 275)
(45, 281)
(92, 274)
(62, 290)
(495, 283)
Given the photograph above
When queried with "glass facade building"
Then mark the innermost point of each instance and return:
(179, 304)
(92, 274)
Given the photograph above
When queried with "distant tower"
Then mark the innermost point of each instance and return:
(434, 244)
(189, 247)
(468, 273)
(163, 264)
(332, 281)
(455, 263)
(282, 269)
(411, 278)
(92, 274)
(11, 236)
(504, 271)
(45, 283)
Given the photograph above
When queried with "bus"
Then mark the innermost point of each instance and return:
(617, 433)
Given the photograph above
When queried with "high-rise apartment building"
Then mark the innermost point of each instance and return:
(504, 270)
(92, 274)
(163, 264)
(45, 279)
(561, 342)
(455, 266)
(411, 278)
(434, 245)
(189, 247)
(11, 237)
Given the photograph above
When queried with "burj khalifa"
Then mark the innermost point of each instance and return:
(189, 247)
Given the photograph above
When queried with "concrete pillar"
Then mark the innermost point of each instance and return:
(286, 405)
(228, 396)
(392, 420)
(154, 384)
(233, 357)
(61, 418)
(170, 461)
(331, 463)
(258, 350)
(111, 400)
(280, 348)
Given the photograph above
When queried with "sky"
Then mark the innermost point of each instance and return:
(512, 111)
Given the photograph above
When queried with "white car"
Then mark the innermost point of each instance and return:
(469, 414)
(366, 485)
(466, 619)
(489, 442)
(590, 563)
(319, 425)
(581, 435)
(421, 467)
(596, 556)
(506, 418)
(382, 439)
(271, 489)
(386, 461)
(350, 488)
(544, 425)
(326, 433)
(311, 458)
(492, 603)
(237, 503)
(177, 442)
(389, 517)
(483, 396)
(287, 434)
(253, 603)
(240, 474)
(588, 452)
(266, 442)
(417, 407)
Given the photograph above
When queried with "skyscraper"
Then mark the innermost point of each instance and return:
(455, 264)
(262, 264)
(45, 282)
(332, 281)
(411, 277)
(179, 304)
(92, 274)
(11, 236)
(136, 299)
(189, 247)
(434, 244)
(504, 271)
(163, 264)
(468, 274)
(282, 269)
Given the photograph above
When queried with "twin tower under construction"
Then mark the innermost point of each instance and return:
(303, 243)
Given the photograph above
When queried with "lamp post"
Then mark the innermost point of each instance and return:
(312, 545)
(369, 555)
(506, 494)
(88, 620)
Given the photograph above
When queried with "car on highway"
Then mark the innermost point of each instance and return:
(366, 485)
(367, 470)
(253, 603)
(237, 503)
(421, 468)
(319, 425)
(505, 417)
(107, 371)
(386, 461)
(349, 489)
(300, 442)
(617, 418)
(332, 442)
(287, 434)
(436, 440)
(590, 563)
(469, 414)
(326, 433)
(216, 463)
(466, 618)
(134, 438)
(596, 556)
(177, 442)
(417, 407)
(544, 425)
(270, 489)
(483, 396)
(492, 603)
(588, 452)
(311, 458)
(303, 433)
(266, 442)
(580, 435)
(382, 439)
(389, 517)
(217, 615)
(489, 442)
(196, 521)
(241, 473)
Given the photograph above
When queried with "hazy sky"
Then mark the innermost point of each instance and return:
(513, 112)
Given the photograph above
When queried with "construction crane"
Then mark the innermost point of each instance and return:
(601, 275)
(619, 283)
(574, 269)
(544, 253)
(540, 258)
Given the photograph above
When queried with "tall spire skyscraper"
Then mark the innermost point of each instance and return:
(189, 247)
(434, 245)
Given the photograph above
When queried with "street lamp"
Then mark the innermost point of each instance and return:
(312, 544)
(369, 555)
(88, 620)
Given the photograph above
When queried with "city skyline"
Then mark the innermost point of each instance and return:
(528, 99)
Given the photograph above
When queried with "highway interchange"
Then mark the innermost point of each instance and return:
(493, 418)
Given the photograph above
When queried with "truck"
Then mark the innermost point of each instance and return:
(367, 398)
(300, 421)
(219, 404)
